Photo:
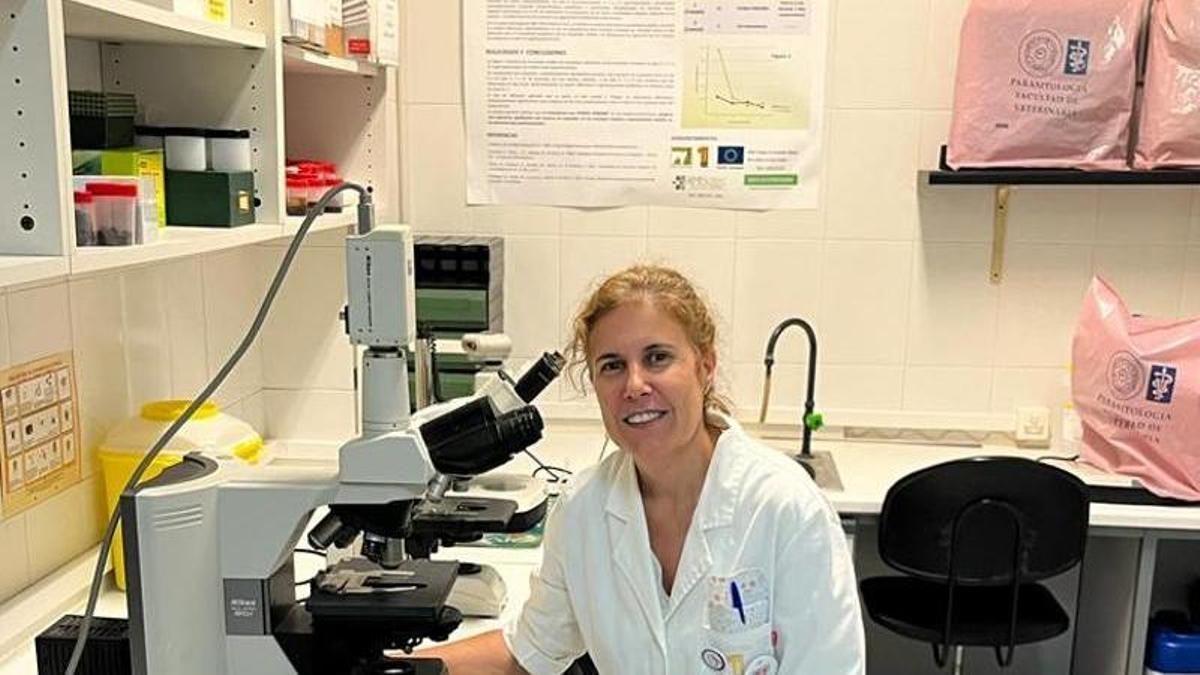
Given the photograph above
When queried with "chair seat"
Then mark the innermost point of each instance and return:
(916, 608)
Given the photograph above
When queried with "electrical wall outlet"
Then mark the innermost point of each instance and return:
(1033, 427)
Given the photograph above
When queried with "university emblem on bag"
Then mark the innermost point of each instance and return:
(1162, 384)
(1040, 52)
(1079, 53)
(1125, 375)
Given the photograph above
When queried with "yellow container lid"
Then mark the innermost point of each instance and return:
(208, 429)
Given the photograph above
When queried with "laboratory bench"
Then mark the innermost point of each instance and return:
(1138, 556)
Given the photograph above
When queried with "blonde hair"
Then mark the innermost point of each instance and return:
(667, 290)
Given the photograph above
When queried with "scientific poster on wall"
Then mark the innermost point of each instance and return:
(706, 103)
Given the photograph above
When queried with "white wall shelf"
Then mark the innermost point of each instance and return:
(174, 242)
(15, 269)
(131, 21)
(184, 71)
(297, 59)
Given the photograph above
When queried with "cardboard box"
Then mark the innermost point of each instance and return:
(145, 164)
(372, 30)
(216, 11)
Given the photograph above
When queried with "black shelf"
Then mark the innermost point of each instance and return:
(947, 176)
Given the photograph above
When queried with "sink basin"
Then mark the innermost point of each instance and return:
(821, 467)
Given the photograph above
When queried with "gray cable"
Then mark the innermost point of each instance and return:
(365, 207)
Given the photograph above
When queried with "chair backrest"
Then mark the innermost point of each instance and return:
(997, 514)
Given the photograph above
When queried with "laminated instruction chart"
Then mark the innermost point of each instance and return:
(41, 438)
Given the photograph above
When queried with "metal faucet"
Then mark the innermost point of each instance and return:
(811, 420)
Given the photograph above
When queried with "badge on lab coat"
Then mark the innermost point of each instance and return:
(738, 624)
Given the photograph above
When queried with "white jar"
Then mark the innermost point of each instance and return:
(228, 149)
(186, 149)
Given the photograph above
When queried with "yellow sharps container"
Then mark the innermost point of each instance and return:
(209, 430)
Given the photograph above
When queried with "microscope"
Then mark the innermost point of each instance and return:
(209, 543)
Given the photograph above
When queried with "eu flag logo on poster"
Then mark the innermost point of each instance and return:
(731, 154)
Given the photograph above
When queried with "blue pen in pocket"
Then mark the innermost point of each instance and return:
(737, 601)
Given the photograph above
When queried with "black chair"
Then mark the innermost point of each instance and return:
(973, 537)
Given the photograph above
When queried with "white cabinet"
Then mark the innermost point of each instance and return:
(185, 72)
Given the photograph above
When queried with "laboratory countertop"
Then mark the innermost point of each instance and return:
(866, 469)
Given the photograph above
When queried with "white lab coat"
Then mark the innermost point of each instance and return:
(598, 589)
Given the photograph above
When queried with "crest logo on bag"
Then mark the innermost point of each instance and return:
(1125, 375)
(1079, 53)
(1039, 53)
(1162, 384)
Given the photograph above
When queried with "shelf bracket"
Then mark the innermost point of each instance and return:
(999, 231)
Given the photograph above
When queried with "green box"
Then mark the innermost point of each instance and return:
(210, 198)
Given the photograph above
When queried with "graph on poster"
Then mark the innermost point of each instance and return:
(744, 86)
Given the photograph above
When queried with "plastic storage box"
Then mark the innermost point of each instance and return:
(1174, 645)
(101, 120)
(209, 430)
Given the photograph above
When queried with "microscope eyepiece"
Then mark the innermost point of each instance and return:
(539, 376)
(472, 439)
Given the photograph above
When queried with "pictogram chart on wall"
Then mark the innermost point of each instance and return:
(39, 410)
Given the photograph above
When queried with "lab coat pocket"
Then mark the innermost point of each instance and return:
(736, 652)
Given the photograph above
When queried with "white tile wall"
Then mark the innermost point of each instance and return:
(14, 541)
(1039, 300)
(878, 53)
(1189, 304)
(941, 53)
(103, 373)
(39, 322)
(863, 302)
(774, 280)
(434, 166)
(144, 295)
(234, 282)
(859, 388)
(184, 283)
(531, 294)
(434, 77)
(312, 415)
(1149, 278)
(149, 332)
(947, 389)
(1195, 233)
(1144, 216)
(304, 341)
(4, 348)
(632, 221)
(1053, 215)
(583, 262)
(953, 306)
(872, 170)
(65, 526)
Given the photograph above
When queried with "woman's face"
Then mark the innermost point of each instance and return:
(649, 380)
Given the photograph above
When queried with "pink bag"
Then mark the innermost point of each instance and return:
(1169, 133)
(1135, 386)
(1045, 84)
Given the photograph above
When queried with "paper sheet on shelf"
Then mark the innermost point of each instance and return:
(674, 102)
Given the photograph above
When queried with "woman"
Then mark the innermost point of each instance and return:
(695, 548)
